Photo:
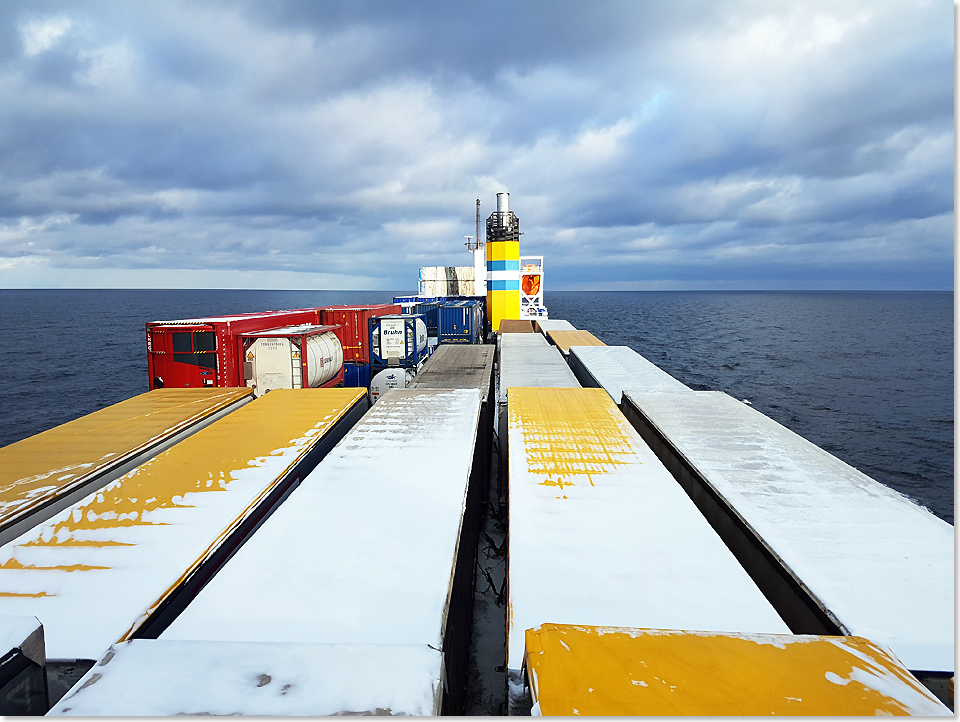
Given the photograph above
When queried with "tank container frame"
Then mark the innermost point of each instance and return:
(412, 356)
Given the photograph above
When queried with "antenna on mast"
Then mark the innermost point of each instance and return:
(478, 223)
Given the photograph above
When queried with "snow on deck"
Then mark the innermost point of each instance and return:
(601, 533)
(881, 564)
(615, 368)
(149, 677)
(96, 570)
(364, 549)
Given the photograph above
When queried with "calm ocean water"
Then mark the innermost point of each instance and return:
(866, 375)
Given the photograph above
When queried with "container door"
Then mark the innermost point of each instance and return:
(183, 359)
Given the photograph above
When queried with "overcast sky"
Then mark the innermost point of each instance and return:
(342, 145)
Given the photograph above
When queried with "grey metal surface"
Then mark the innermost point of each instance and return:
(457, 366)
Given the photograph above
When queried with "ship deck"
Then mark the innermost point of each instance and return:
(307, 555)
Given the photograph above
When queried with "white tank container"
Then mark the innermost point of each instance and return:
(392, 337)
(393, 378)
(276, 362)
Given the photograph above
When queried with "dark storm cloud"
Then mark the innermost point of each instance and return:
(688, 142)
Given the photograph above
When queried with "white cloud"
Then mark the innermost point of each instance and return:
(109, 66)
(39, 36)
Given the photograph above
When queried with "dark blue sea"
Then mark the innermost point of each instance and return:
(866, 375)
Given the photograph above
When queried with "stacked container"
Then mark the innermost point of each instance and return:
(199, 352)
(460, 322)
(355, 336)
(430, 310)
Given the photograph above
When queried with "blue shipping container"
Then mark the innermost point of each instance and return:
(460, 322)
(429, 311)
(356, 376)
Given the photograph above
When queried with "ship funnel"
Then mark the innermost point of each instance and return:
(503, 205)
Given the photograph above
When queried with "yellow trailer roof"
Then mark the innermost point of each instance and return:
(565, 339)
(616, 671)
(95, 572)
(37, 470)
(515, 325)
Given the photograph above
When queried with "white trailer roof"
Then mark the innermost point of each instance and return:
(97, 570)
(881, 564)
(602, 534)
(527, 359)
(615, 368)
(554, 324)
(364, 549)
(153, 678)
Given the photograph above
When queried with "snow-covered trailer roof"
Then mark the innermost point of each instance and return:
(601, 533)
(604, 671)
(880, 565)
(158, 677)
(102, 570)
(52, 470)
(529, 360)
(615, 368)
(553, 324)
(366, 548)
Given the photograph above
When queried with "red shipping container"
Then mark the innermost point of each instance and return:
(354, 327)
(200, 352)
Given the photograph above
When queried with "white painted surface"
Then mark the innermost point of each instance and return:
(363, 551)
(616, 368)
(626, 549)
(527, 359)
(148, 677)
(882, 564)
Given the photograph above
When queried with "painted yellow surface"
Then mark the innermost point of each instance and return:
(502, 305)
(569, 435)
(504, 251)
(565, 339)
(155, 495)
(614, 671)
(515, 325)
(34, 470)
